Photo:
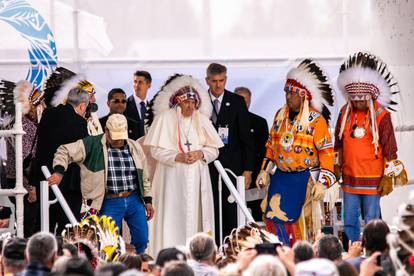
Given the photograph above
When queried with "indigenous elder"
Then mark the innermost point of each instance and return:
(364, 139)
(183, 141)
(113, 177)
(299, 141)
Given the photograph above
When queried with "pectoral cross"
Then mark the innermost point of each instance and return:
(188, 144)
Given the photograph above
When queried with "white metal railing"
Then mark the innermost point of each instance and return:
(237, 196)
(19, 191)
(45, 203)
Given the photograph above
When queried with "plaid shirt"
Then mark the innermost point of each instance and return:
(122, 173)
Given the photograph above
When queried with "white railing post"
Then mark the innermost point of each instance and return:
(44, 206)
(19, 191)
(241, 218)
(220, 193)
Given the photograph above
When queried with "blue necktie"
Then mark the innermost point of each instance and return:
(143, 110)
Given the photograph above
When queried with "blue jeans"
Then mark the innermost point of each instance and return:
(352, 211)
(133, 211)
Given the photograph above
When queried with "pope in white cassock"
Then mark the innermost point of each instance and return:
(182, 141)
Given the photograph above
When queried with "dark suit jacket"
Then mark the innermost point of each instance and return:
(59, 125)
(260, 131)
(237, 155)
(131, 111)
(133, 130)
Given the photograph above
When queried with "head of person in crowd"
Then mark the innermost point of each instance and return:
(216, 78)
(177, 268)
(42, 249)
(346, 269)
(329, 247)
(146, 262)
(79, 100)
(131, 261)
(78, 266)
(316, 267)
(110, 269)
(166, 255)
(13, 260)
(116, 130)
(245, 93)
(59, 266)
(142, 83)
(266, 265)
(203, 249)
(69, 249)
(303, 251)
(374, 236)
(116, 101)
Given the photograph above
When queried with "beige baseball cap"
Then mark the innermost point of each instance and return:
(118, 127)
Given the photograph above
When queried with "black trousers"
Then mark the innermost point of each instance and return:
(31, 210)
(229, 209)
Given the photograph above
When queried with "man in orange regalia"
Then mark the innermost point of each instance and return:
(365, 144)
(299, 142)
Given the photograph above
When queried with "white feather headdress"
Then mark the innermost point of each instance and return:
(162, 101)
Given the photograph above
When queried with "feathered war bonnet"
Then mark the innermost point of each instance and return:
(57, 86)
(12, 93)
(364, 76)
(311, 83)
(177, 89)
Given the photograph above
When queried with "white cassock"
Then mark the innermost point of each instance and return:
(183, 197)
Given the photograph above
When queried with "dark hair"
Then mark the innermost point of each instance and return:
(303, 251)
(374, 236)
(177, 268)
(73, 250)
(242, 89)
(111, 269)
(14, 248)
(145, 257)
(130, 260)
(346, 269)
(215, 69)
(115, 91)
(329, 247)
(78, 266)
(145, 74)
(169, 254)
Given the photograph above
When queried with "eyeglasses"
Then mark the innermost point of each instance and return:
(118, 101)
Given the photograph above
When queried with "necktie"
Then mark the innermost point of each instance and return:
(143, 110)
(216, 110)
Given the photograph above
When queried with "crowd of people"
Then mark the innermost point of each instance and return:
(46, 254)
(149, 163)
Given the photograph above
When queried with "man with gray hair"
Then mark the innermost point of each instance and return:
(40, 253)
(203, 255)
(60, 125)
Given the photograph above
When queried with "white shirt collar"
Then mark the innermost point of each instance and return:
(138, 100)
(212, 97)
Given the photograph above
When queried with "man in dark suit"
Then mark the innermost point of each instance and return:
(136, 104)
(117, 104)
(231, 120)
(61, 125)
(260, 132)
